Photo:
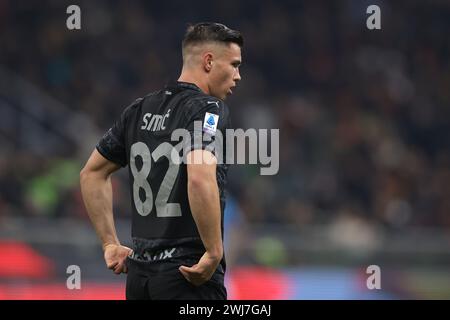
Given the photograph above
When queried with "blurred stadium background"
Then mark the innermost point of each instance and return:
(364, 120)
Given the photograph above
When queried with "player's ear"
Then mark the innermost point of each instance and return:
(207, 61)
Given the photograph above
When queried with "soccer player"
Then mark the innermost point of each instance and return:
(177, 207)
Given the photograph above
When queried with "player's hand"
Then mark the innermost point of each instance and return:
(115, 256)
(202, 271)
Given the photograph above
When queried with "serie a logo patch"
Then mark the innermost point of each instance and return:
(210, 123)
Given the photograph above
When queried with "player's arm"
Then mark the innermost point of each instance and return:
(96, 189)
(204, 201)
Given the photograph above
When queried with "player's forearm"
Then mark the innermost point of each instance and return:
(205, 206)
(97, 195)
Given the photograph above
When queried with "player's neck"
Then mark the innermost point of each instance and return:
(188, 77)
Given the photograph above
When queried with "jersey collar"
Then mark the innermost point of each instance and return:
(186, 85)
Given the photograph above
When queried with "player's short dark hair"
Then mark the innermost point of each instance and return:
(211, 31)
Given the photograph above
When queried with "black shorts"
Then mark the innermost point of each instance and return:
(153, 282)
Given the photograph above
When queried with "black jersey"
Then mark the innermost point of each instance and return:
(142, 139)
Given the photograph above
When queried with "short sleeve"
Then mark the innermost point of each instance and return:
(112, 145)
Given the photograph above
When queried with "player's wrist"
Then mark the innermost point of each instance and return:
(105, 246)
(215, 254)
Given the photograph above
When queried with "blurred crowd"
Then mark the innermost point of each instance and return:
(364, 115)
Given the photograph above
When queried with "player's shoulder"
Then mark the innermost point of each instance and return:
(200, 102)
(149, 97)
(138, 103)
(132, 107)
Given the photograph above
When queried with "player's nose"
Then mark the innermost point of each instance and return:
(237, 76)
